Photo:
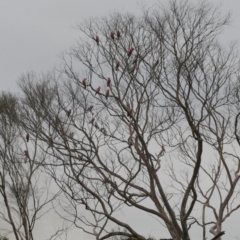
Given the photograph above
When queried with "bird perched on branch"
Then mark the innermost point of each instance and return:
(97, 40)
(130, 142)
(69, 112)
(26, 155)
(50, 142)
(117, 65)
(130, 112)
(131, 70)
(96, 125)
(107, 93)
(98, 90)
(158, 165)
(103, 130)
(161, 153)
(89, 109)
(92, 121)
(27, 137)
(163, 148)
(112, 35)
(84, 82)
(130, 51)
(118, 34)
(156, 63)
(108, 81)
(126, 108)
(135, 60)
(71, 135)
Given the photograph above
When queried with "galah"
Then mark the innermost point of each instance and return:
(92, 121)
(118, 34)
(84, 82)
(130, 112)
(27, 137)
(26, 153)
(163, 148)
(156, 63)
(135, 60)
(158, 165)
(97, 40)
(132, 69)
(112, 35)
(103, 130)
(69, 112)
(108, 81)
(71, 135)
(107, 93)
(89, 109)
(57, 122)
(130, 143)
(161, 153)
(98, 90)
(96, 125)
(117, 65)
(126, 108)
(130, 51)
(50, 142)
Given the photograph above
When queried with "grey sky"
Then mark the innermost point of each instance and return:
(34, 33)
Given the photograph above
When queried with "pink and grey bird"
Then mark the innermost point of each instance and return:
(69, 112)
(108, 81)
(89, 109)
(103, 130)
(112, 35)
(130, 143)
(161, 153)
(156, 63)
(118, 34)
(132, 69)
(130, 112)
(98, 90)
(92, 121)
(84, 82)
(26, 153)
(118, 65)
(163, 148)
(135, 60)
(130, 51)
(71, 135)
(97, 40)
(107, 93)
(50, 142)
(27, 137)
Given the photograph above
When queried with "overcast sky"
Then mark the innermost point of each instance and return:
(34, 33)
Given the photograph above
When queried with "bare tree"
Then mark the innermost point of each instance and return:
(3, 238)
(150, 122)
(24, 189)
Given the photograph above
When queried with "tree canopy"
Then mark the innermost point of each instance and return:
(143, 113)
